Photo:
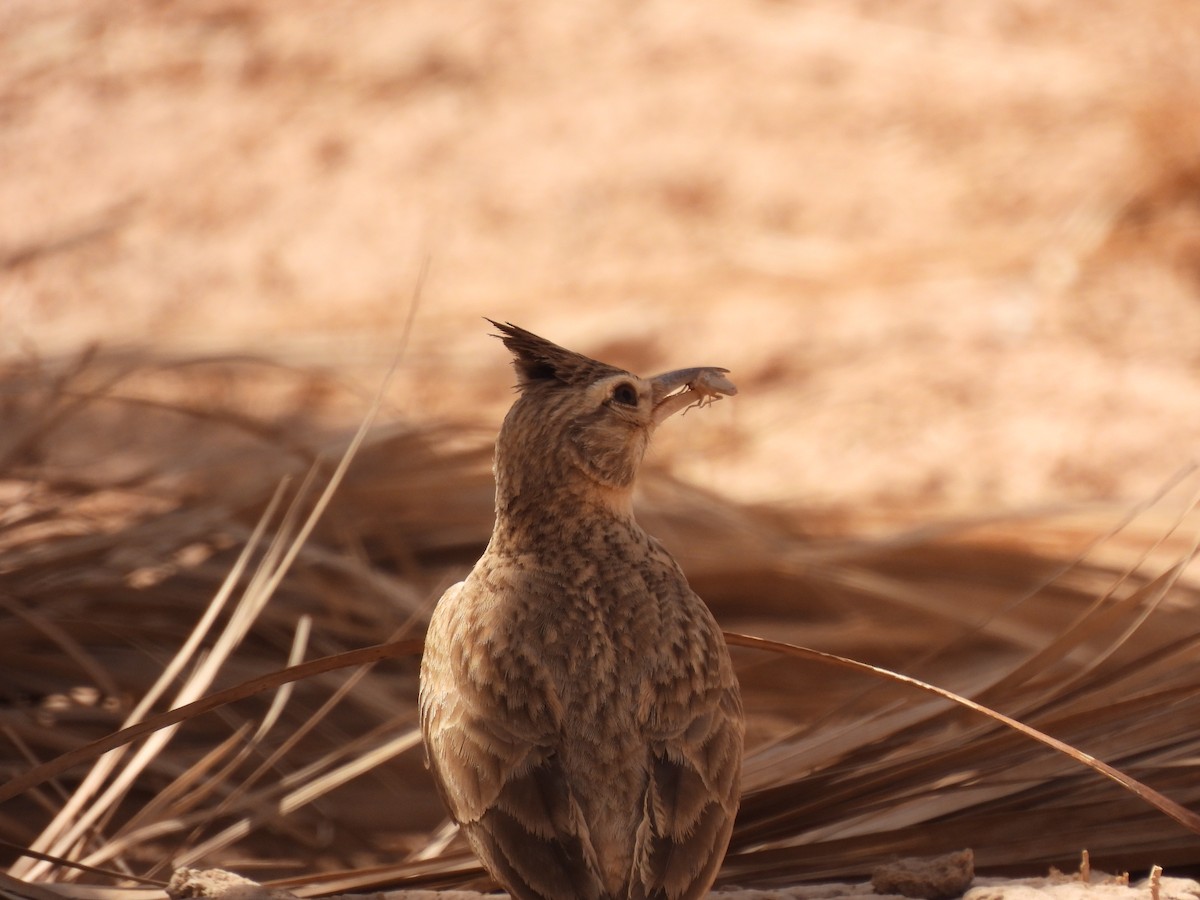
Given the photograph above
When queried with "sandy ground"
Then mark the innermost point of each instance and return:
(950, 251)
(190, 884)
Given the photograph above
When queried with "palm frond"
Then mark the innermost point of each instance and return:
(158, 593)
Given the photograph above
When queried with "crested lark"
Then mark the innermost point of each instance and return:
(580, 712)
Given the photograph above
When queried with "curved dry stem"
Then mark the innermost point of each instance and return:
(1163, 804)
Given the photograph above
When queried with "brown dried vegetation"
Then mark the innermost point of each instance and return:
(109, 568)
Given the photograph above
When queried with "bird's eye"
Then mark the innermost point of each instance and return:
(625, 394)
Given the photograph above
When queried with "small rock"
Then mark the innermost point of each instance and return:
(187, 884)
(929, 878)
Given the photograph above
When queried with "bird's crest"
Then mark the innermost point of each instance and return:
(538, 361)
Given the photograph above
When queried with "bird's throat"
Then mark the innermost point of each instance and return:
(547, 519)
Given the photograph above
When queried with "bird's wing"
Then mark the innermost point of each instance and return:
(690, 803)
(535, 839)
(514, 803)
(503, 782)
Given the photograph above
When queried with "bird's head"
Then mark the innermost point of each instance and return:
(582, 426)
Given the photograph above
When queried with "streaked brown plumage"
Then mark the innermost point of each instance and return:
(580, 712)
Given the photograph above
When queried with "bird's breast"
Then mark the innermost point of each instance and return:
(611, 650)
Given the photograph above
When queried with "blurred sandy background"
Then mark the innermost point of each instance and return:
(950, 250)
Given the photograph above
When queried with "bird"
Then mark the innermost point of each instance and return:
(579, 709)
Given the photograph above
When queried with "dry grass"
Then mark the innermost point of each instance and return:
(151, 556)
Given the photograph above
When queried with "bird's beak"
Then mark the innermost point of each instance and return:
(700, 386)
